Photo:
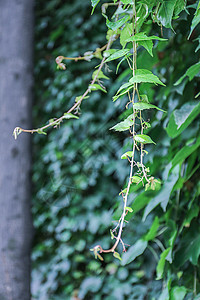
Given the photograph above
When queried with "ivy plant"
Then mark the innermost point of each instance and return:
(162, 187)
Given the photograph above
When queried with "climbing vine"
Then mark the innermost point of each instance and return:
(129, 26)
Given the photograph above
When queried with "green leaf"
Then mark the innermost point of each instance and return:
(161, 264)
(70, 116)
(163, 196)
(191, 73)
(100, 75)
(138, 37)
(144, 105)
(148, 45)
(117, 55)
(129, 209)
(195, 20)
(94, 4)
(124, 125)
(127, 154)
(140, 201)
(95, 87)
(179, 6)
(117, 255)
(142, 75)
(184, 153)
(190, 248)
(125, 34)
(41, 132)
(143, 139)
(135, 179)
(192, 213)
(153, 230)
(133, 252)
(117, 24)
(181, 118)
(165, 13)
(80, 97)
(178, 293)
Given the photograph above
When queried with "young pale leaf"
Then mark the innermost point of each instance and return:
(100, 75)
(107, 53)
(80, 97)
(95, 87)
(125, 34)
(135, 179)
(116, 255)
(191, 73)
(41, 132)
(127, 154)
(143, 75)
(133, 252)
(117, 54)
(70, 116)
(143, 139)
(144, 105)
(94, 4)
(129, 209)
(124, 125)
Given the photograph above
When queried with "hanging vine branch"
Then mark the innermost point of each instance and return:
(128, 19)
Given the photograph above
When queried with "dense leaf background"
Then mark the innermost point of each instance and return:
(78, 173)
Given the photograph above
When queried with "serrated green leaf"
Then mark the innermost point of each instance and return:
(124, 125)
(143, 139)
(153, 230)
(117, 55)
(148, 45)
(70, 116)
(161, 264)
(133, 252)
(144, 105)
(142, 75)
(181, 118)
(191, 73)
(143, 37)
(165, 13)
(125, 34)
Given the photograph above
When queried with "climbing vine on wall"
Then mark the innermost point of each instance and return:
(162, 152)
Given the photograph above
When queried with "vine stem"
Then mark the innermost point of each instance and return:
(55, 122)
(122, 218)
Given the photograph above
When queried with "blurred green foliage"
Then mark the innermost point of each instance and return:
(78, 172)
